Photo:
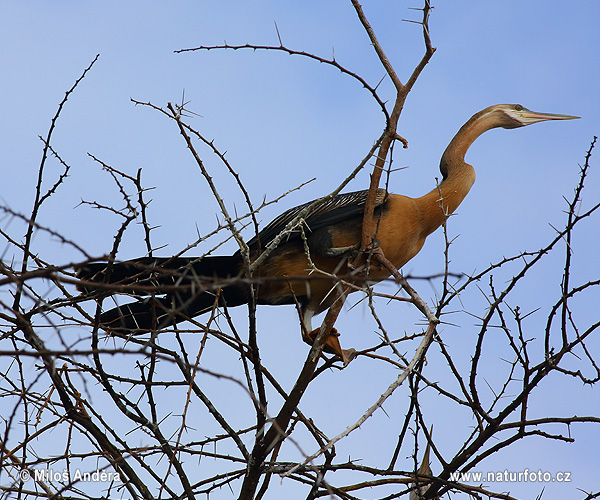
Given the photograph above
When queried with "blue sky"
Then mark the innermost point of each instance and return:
(284, 120)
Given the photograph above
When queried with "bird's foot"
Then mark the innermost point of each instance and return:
(332, 345)
(360, 255)
(342, 251)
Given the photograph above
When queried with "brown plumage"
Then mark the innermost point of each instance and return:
(331, 231)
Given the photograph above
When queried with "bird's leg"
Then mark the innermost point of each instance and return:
(357, 258)
(341, 251)
(332, 344)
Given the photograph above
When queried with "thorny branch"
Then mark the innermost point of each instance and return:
(182, 415)
(39, 198)
(390, 134)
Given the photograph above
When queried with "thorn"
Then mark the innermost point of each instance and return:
(379, 83)
(411, 21)
(278, 35)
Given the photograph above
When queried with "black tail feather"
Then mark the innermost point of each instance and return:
(158, 271)
(137, 317)
(192, 276)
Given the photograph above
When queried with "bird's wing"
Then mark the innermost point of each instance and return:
(326, 212)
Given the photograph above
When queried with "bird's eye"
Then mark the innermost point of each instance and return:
(518, 107)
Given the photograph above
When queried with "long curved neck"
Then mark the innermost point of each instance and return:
(458, 176)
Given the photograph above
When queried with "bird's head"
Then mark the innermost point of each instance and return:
(515, 115)
(499, 115)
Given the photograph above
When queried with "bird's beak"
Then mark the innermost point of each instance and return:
(527, 117)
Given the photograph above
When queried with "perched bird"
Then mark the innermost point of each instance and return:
(325, 240)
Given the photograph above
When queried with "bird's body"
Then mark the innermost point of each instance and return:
(330, 232)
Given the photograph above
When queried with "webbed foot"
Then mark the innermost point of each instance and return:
(332, 345)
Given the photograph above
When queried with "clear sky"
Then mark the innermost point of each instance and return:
(284, 120)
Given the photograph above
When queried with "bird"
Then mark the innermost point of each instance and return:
(306, 267)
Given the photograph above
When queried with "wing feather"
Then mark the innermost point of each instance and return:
(327, 212)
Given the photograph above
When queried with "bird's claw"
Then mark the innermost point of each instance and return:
(356, 261)
(332, 345)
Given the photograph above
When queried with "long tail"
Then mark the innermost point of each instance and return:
(190, 287)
